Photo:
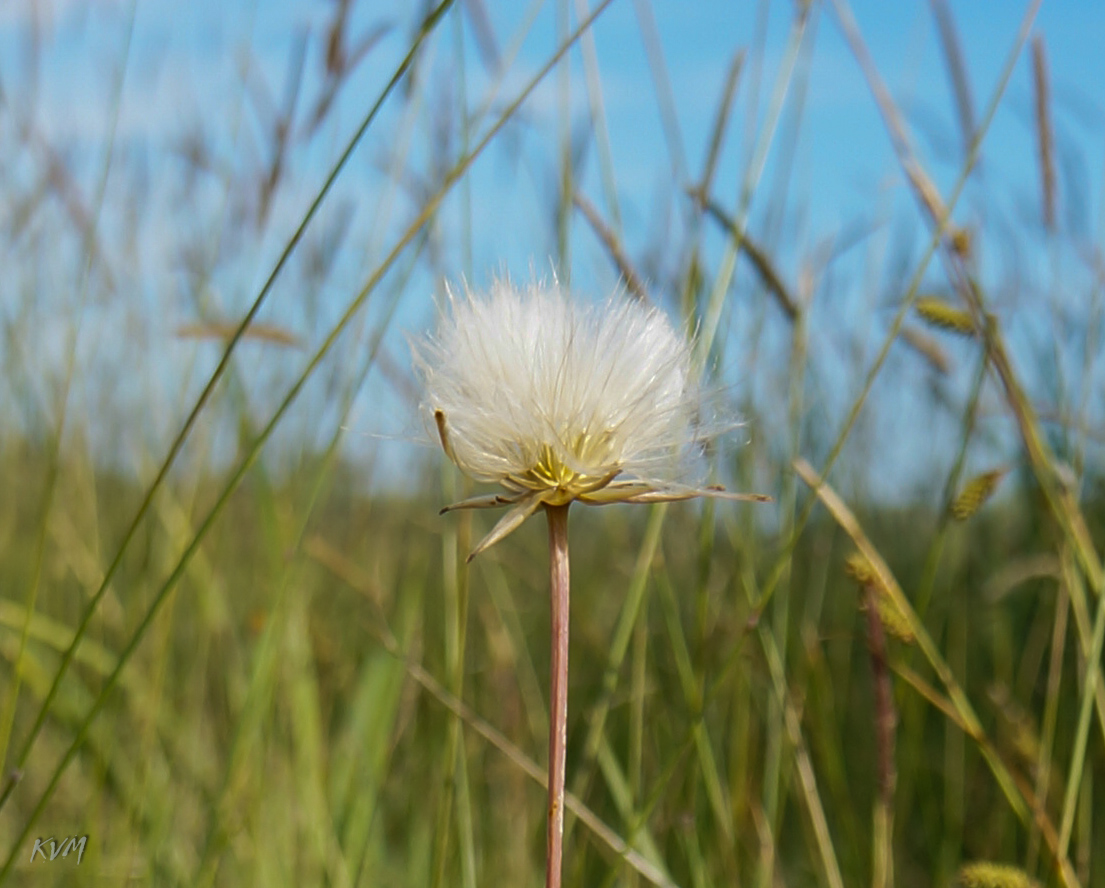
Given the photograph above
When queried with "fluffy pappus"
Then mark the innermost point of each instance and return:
(558, 400)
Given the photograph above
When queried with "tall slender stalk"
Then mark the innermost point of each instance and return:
(885, 719)
(558, 688)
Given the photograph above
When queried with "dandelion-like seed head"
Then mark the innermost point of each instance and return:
(558, 401)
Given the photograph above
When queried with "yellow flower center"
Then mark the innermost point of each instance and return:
(550, 472)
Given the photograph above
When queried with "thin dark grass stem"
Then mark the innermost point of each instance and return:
(885, 719)
(558, 688)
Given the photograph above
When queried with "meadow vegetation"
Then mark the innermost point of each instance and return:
(233, 652)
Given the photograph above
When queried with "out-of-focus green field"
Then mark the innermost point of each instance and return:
(291, 717)
(239, 645)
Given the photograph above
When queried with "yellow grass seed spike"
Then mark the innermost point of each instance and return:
(975, 493)
(994, 875)
(937, 313)
(892, 619)
(859, 569)
(962, 241)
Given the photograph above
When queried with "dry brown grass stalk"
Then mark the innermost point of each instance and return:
(957, 70)
(633, 281)
(717, 135)
(763, 264)
(269, 333)
(1041, 88)
(928, 348)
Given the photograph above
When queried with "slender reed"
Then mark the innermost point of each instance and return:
(558, 687)
(883, 833)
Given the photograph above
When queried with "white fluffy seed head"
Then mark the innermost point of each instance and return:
(539, 393)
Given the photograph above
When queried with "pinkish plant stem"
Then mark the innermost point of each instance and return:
(558, 688)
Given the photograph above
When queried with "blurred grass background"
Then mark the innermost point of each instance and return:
(238, 645)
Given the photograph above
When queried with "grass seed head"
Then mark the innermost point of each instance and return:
(859, 569)
(938, 313)
(962, 241)
(994, 875)
(893, 620)
(975, 493)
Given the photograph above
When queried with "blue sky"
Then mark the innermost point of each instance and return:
(213, 72)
